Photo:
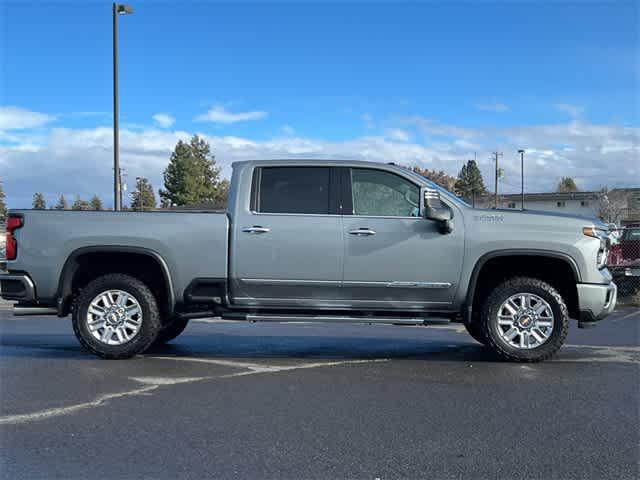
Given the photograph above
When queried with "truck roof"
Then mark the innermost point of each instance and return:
(315, 161)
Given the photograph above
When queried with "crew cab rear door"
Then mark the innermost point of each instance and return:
(287, 246)
(394, 258)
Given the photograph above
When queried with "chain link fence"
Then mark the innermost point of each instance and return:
(624, 263)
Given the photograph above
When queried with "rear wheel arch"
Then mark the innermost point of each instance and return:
(115, 259)
(494, 267)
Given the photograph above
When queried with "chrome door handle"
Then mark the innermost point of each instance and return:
(255, 229)
(364, 232)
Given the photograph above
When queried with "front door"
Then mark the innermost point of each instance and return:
(394, 258)
(288, 242)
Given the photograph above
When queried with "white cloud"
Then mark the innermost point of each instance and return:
(163, 120)
(494, 107)
(80, 160)
(15, 118)
(219, 114)
(397, 134)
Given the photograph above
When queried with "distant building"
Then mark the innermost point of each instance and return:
(619, 205)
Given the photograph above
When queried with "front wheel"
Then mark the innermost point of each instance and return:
(525, 319)
(116, 316)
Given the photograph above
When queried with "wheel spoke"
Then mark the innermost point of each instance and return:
(524, 339)
(505, 320)
(545, 323)
(511, 333)
(512, 307)
(95, 326)
(96, 310)
(538, 335)
(121, 335)
(122, 299)
(540, 308)
(106, 334)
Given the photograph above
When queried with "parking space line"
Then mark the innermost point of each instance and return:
(153, 383)
(60, 411)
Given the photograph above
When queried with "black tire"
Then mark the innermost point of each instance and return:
(171, 330)
(150, 316)
(476, 331)
(525, 285)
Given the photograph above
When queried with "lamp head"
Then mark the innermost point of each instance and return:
(124, 9)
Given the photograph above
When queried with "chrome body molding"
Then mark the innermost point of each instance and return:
(337, 283)
(292, 283)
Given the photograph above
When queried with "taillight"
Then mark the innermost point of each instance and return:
(11, 247)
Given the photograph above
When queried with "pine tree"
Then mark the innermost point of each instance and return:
(80, 204)
(192, 176)
(470, 182)
(438, 177)
(567, 184)
(143, 197)
(3, 206)
(62, 203)
(39, 202)
(95, 203)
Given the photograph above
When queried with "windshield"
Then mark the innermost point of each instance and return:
(444, 192)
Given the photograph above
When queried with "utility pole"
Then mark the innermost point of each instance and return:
(140, 196)
(496, 156)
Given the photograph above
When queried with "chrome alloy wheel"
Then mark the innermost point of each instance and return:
(114, 317)
(525, 321)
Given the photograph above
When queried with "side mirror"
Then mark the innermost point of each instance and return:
(435, 210)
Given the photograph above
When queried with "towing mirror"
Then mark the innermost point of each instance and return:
(435, 210)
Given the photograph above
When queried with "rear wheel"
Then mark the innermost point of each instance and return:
(116, 316)
(525, 319)
(171, 330)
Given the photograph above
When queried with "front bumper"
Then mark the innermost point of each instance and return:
(17, 287)
(596, 301)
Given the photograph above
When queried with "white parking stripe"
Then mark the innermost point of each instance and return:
(153, 383)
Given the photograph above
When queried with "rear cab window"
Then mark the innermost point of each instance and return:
(294, 190)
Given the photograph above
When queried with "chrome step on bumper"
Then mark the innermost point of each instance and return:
(19, 287)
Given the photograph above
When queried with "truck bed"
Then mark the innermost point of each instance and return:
(192, 244)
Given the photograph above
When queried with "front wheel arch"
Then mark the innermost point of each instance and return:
(493, 268)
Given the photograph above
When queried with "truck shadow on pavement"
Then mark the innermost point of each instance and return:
(283, 347)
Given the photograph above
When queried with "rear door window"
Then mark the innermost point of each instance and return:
(293, 190)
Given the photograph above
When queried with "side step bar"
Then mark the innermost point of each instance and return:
(24, 311)
(310, 318)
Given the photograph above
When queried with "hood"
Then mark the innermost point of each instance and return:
(541, 215)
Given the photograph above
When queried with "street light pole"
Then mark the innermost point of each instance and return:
(117, 202)
(521, 152)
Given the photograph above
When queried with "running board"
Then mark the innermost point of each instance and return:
(310, 318)
(25, 311)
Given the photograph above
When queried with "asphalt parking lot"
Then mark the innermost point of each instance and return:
(295, 401)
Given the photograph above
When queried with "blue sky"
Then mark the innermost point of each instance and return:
(426, 83)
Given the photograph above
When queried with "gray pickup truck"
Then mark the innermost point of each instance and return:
(313, 240)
